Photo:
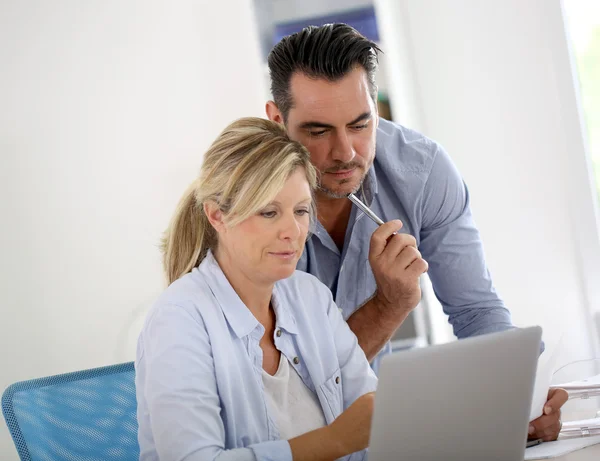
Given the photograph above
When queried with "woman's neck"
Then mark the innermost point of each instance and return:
(256, 296)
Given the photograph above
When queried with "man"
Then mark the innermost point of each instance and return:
(324, 91)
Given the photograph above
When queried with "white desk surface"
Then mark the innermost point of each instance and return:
(589, 453)
(585, 454)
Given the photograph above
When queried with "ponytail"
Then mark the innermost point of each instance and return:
(188, 238)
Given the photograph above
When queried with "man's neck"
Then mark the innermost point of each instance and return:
(334, 215)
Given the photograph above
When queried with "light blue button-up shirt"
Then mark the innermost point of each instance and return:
(413, 179)
(198, 367)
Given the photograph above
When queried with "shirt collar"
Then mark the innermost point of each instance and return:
(237, 314)
(366, 193)
(284, 314)
(369, 186)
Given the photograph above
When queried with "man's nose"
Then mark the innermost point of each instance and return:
(343, 150)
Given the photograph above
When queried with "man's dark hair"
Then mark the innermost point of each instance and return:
(328, 52)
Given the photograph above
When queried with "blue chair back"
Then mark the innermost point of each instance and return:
(87, 415)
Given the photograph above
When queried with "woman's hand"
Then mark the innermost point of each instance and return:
(352, 429)
(348, 433)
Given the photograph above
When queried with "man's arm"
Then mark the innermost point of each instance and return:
(451, 244)
(397, 266)
(374, 325)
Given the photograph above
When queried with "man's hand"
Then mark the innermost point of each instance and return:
(396, 265)
(547, 426)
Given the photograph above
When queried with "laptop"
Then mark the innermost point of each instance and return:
(468, 400)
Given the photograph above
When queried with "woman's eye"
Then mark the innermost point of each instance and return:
(268, 214)
(302, 212)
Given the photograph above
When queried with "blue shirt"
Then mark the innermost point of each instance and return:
(198, 367)
(413, 179)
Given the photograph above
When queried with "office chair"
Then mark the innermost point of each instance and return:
(87, 415)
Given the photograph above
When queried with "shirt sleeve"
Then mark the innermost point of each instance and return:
(357, 376)
(181, 392)
(451, 244)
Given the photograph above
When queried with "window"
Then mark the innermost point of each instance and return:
(583, 18)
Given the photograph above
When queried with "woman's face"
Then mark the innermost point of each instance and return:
(267, 246)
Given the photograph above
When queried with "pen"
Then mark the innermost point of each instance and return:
(354, 199)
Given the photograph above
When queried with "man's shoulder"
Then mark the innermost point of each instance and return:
(403, 149)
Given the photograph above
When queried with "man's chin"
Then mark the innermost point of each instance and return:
(339, 190)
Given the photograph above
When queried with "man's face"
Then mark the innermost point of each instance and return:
(337, 122)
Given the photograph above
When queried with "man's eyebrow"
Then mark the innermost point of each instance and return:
(310, 125)
(313, 124)
(361, 118)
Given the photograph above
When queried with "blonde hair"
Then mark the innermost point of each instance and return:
(242, 171)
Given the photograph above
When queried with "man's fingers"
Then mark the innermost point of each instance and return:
(540, 424)
(545, 427)
(557, 397)
(407, 256)
(400, 248)
(418, 267)
(379, 239)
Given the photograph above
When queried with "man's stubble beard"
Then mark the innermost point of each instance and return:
(333, 194)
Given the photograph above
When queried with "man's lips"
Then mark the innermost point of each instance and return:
(341, 174)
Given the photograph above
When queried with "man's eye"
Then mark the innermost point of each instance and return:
(268, 214)
(318, 133)
(360, 127)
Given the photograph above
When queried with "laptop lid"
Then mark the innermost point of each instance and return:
(466, 400)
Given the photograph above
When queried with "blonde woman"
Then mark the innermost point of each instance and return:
(243, 357)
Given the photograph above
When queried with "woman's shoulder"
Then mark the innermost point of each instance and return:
(188, 297)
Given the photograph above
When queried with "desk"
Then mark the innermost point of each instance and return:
(591, 453)
(585, 454)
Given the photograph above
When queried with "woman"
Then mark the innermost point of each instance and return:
(242, 357)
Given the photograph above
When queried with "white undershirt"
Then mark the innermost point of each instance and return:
(294, 407)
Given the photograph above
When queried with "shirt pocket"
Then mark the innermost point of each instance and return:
(331, 396)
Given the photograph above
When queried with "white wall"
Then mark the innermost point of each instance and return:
(492, 81)
(105, 109)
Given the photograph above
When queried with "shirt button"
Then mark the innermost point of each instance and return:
(278, 333)
(337, 379)
(296, 360)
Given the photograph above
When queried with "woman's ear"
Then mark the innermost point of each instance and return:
(214, 215)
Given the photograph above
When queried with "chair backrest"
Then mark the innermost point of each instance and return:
(87, 415)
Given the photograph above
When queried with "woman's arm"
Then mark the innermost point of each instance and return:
(357, 377)
(176, 373)
(347, 434)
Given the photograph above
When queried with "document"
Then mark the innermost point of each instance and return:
(543, 377)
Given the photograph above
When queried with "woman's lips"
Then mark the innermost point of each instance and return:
(284, 254)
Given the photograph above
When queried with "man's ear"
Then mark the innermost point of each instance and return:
(214, 215)
(273, 112)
